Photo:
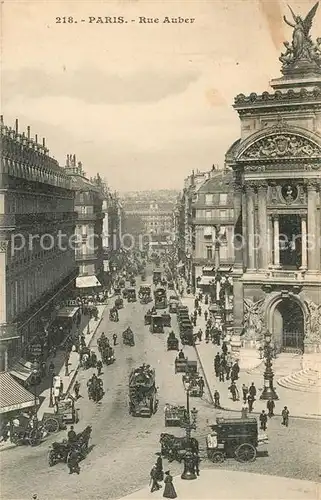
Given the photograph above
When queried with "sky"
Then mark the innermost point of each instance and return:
(142, 104)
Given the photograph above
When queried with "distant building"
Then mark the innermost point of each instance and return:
(149, 214)
(89, 228)
(37, 268)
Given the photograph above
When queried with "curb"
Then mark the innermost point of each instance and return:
(205, 377)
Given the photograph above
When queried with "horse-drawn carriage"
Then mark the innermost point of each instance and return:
(172, 342)
(143, 400)
(186, 332)
(59, 452)
(173, 306)
(108, 355)
(175, 415)
(128, 337)
(194, 380)
(65, 414)
(132, 282)
(119, 303)
(113, 314)
(167, 320)
(29, 431)
(234, 437)
(88, 358)
(180, 364)
(175, 448)
(145, 294)
(95, 388)
(131, 295)
(156, 324)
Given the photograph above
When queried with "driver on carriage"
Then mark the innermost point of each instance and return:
(171, 335)
(181, 355)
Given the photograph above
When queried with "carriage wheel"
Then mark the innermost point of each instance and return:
(217, 457)
(51, 458)
(34, 437)
(245, 453)
(51, 424)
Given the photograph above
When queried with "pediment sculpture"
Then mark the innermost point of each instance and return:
(284, 145)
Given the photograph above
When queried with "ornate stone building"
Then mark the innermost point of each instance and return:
(37, 265)
(89, 228)
(277, 176)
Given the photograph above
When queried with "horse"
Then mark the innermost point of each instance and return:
(173, 446)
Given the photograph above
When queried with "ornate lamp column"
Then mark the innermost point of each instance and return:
(189, 424)
(268, 391)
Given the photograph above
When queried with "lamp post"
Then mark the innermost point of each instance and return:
(268, 391)
(51, 402)
(34, 381)
(189, 469)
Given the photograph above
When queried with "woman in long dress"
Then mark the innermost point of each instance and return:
(169, 490)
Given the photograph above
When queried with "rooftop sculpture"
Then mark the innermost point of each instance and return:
(302, 52)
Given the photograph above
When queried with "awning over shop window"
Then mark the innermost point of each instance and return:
(67, 312)
(180, 265)
(208, 231)
(224, 268)
(206, 280)
(87, 282)
(12, 395)
(208, 269)
(22, 370)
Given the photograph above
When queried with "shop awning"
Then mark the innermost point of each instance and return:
(67, 312)
(224, 268)
(87, 282)
(180, 265)
(12, 395)
(206, 280)
(208, 269)
(22, 370)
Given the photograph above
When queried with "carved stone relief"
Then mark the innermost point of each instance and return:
(253, 319)
(313, 323)
(286, 145)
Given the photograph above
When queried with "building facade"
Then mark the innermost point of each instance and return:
(89, 228)
(277, 178)
(37, 264)
(213, 227)
(149, 213)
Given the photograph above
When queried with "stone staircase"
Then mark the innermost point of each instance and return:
(307, 380)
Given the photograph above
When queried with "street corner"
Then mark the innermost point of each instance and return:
(232, 485)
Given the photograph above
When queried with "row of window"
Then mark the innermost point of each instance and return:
(213, 214)
(210, 198)
(17, 203)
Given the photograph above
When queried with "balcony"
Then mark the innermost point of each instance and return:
(31, 219)
(203, 221)
(90, 217)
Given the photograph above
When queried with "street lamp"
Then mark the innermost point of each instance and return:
(268, 391)
(35, 381)
(189, 468)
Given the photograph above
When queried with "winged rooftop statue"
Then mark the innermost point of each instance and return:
(302, 47)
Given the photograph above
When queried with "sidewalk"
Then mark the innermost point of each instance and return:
(300, 404)
(73, 364)
(230, 485)
(44, 396)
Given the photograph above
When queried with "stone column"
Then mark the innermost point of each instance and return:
(237, 239)
(313, 230)
(263, 251)
(304, 243)
(276, 242)
(270, 241)
(250, 227)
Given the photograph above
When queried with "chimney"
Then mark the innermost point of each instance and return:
(28, 132)
(1, 119)
(17, 126)
(43, 142)
(67, 161)
(36, 138)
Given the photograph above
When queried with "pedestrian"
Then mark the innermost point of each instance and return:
(153, 480)
(72, 436)
(285, 416)
(270, 407)
(221, 372)
(263, 420)
(228, 369)
(224, 348)
(43, 369)
(61, 388)
(73, 462)
(216, 399)
(159, 468)
(250, 400)
(76, 389)
(195, 320)
(199, 335)
(199, 311)
(252, 390)
(99, 367)
(51, 368)
(235, 372)
(169, 490)
(196, 460)
(201, 385)
(233, 390)
(205, 315)
(217, 363)
(245, 391)
(115, 339)
(207, 335)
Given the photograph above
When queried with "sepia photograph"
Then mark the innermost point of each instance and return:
(160, 250)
